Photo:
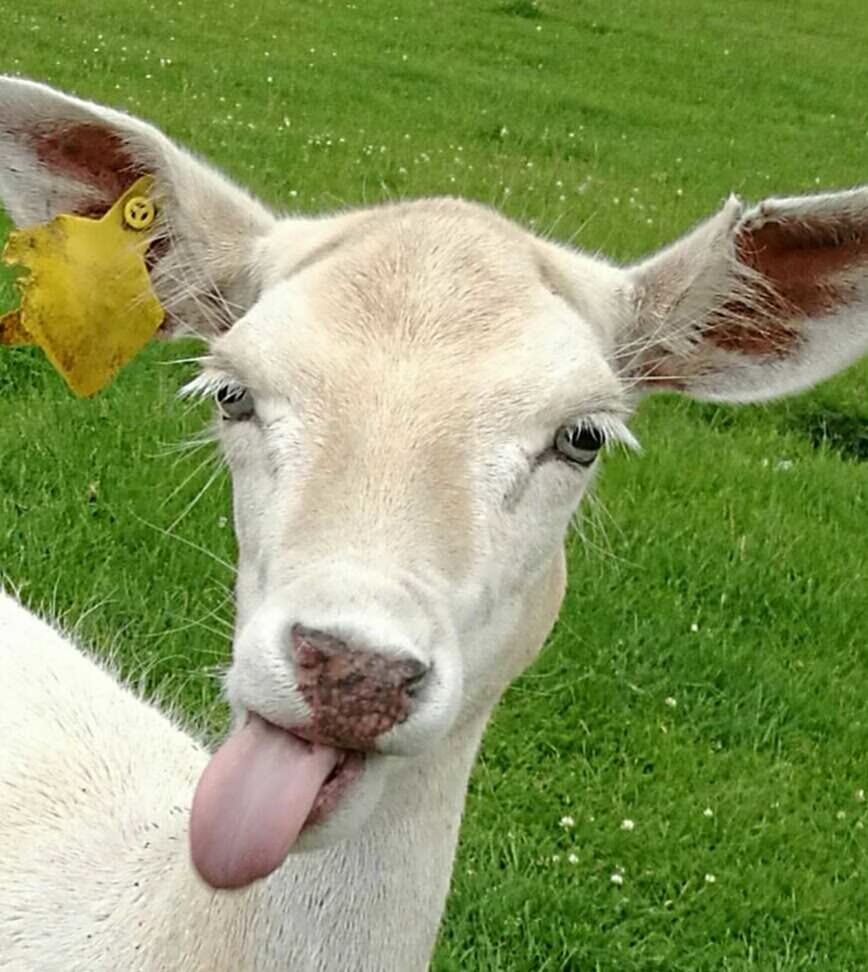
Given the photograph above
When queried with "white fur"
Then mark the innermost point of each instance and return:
(95, 791)
(410, 367)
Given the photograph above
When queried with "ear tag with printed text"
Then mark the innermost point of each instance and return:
(86, 298)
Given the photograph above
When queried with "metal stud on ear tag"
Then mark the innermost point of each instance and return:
(139, 212)
(87, 299)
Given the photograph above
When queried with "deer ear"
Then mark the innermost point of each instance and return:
(752, 305)
(62, 155)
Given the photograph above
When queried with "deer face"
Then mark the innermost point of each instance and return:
(411, 401)
(397, 419)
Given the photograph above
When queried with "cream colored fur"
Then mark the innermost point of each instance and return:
(396, 484)
(95, 791)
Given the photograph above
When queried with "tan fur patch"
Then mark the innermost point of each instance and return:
(431, 270)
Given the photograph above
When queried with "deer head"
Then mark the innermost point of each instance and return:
(412, 400)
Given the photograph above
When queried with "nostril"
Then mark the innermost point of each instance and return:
(415, 674)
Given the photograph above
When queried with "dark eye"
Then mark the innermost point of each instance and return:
(580, 443)
(235, 403)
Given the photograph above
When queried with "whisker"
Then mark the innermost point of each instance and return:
(188, 543)
(211, 480)
(207, 461)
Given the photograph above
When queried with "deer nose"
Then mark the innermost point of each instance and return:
(354, 694)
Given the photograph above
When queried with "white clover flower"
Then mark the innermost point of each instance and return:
(710, 879)
(617, 878)
(708, 812)
(566, 822)
(628, 824)
(572, 858)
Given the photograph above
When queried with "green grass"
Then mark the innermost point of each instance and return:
(712, 651)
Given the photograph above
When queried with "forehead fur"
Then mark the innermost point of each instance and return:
(412, 297)
(427, 272)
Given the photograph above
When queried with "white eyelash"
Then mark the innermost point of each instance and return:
(208, 383)
(613, 428)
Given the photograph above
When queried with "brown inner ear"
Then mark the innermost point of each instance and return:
(90, 154)
(804, 263)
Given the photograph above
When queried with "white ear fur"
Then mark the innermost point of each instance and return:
(59, 154)
(752, 305)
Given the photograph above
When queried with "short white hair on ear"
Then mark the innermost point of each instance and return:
(752, 305)
(62, 155)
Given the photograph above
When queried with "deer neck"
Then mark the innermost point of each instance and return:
(371, 904)
(379, 898)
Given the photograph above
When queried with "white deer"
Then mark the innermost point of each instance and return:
(412, 401)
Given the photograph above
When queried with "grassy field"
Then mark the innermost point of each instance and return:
(679, 783)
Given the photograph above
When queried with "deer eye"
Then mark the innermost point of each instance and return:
(235, 403)
(580, 443)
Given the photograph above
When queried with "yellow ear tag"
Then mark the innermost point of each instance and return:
(87, 299)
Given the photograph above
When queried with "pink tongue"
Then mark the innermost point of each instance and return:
(252, 801)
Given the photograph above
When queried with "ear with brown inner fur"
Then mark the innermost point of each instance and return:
(753, 305)
(62, 155)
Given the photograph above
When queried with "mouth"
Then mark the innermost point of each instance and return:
(349, 767)
(262, 788)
